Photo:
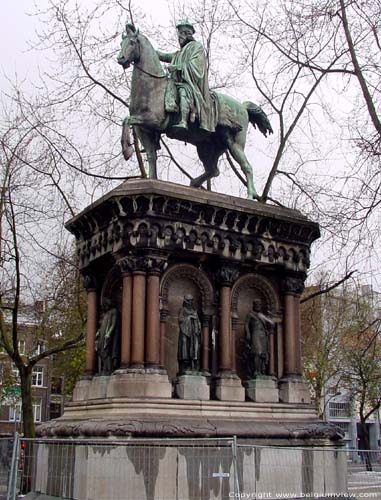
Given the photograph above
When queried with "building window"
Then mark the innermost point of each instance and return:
(15, 413)
(56, 385)
(21, 346)
(344, 426)
(37, 411)
(15, 372)
(55, 410)
(39, 349)
(38, 376)
(339, 410)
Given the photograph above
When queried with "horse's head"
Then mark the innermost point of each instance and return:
(129, 47)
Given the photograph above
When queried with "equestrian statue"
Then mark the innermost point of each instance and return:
(180, 104)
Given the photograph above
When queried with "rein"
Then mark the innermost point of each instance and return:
(142, 70)
(149, 74)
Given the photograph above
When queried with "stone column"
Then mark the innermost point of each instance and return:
(292, 388)
(153, 315)
(272, 352)
(290, 334)
(228, 385)
(205, 344)
(233, 337)
(91, 325)
(126, 313)
(224, 350)
(138, 317)
(163, 323)
(293, 287)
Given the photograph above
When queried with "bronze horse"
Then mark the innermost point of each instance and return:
(150, 119)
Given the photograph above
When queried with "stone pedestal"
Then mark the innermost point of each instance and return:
(81, 390)
(262, 390)
(229, 388)
(98, 387)
(192, 387)
(139, 384)
(294, 391)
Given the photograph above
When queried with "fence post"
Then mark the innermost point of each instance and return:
(12, 482)
(235, 466)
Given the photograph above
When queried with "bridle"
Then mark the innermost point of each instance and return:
(141, 69)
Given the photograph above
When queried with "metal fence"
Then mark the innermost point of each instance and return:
(169, 469)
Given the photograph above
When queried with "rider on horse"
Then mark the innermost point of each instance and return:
(188, 70)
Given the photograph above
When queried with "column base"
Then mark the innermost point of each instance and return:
(229, 388)
(262, 390)
(139, 383)
(192, 387)
(98, 387)
(294, 391)
(81, 389)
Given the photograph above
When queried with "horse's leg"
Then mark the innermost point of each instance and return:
(236, 145)
(209, 155)
(149, 140)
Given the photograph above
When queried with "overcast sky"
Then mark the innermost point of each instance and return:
(19, 26)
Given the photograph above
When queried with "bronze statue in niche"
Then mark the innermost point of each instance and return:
(189, 345)
(107, 341)
(258, 328)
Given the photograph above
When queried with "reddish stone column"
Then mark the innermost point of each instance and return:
(152, 320)
(138, 318)
(205, 344)
(91, 325)
(272, 352)
(125, 355)
(227, 277)
(289, 331)
(233, 337)
(163, 323)
(292, 359)
(298, 340)
(225, 358)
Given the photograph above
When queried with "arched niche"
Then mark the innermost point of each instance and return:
(245, 290)
(177, 281)
(112, 287)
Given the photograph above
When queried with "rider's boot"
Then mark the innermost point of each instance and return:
(184, 110)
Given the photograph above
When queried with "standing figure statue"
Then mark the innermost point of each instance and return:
(107, 341)
(189, 70)
(189, 337)
(258, 328)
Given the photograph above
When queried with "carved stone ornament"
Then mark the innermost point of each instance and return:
(293, 285)
(89, 282)
(227, 275)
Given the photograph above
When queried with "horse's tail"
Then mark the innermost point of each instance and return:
(127, 148)
(258, 118)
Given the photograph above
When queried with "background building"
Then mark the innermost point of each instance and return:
(47, 388)
(332, 326)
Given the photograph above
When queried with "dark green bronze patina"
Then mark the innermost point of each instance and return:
(181, 106)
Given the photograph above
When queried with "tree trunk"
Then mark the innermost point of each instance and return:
(27, 402)
(28, 426)
(364, 431)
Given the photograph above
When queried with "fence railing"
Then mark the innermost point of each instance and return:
(173, 469)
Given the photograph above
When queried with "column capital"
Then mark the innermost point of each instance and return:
(89, 282)
(142, 263)
(227, 275)
(293, 285)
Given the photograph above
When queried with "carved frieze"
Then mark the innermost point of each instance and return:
(173, 221)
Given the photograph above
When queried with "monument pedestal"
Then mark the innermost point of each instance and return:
(262, 390)
(139, 383)
(229, 388)
(193, 387)
(294, 391)
(145, 246)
